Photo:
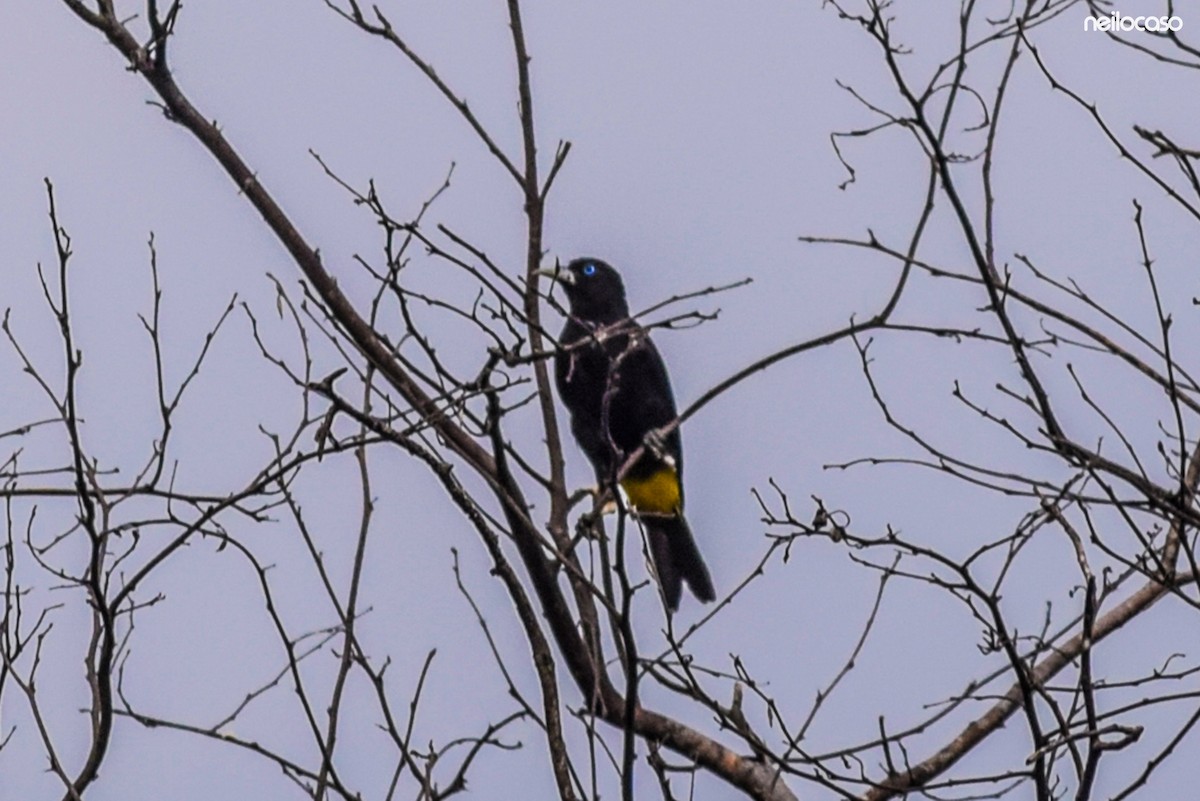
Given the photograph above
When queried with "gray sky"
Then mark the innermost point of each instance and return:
(700, 154)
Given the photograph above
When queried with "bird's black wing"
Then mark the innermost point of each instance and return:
(644, 401)
(581, 371)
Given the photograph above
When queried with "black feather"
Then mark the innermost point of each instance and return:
(615, 386)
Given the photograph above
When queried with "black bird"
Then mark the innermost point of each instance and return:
(614, 383)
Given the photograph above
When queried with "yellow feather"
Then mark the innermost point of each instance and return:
(657, 493)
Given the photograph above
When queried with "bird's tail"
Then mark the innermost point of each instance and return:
(677, 559)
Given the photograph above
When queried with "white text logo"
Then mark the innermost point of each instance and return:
(1120, 22)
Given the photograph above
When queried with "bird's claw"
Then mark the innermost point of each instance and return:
(610, 503)
(597, 493)
(656, 443)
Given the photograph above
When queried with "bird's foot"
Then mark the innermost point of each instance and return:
(597, 494)
(609, 505)
(656, 442)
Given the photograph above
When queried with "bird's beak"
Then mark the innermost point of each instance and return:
(557, 274)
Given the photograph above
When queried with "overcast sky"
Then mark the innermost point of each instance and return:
(700, 154)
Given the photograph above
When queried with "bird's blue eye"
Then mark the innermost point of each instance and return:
(589, 269)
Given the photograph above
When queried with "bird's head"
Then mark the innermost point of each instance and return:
(593, 288)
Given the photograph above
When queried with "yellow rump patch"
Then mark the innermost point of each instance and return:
(657, 493)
